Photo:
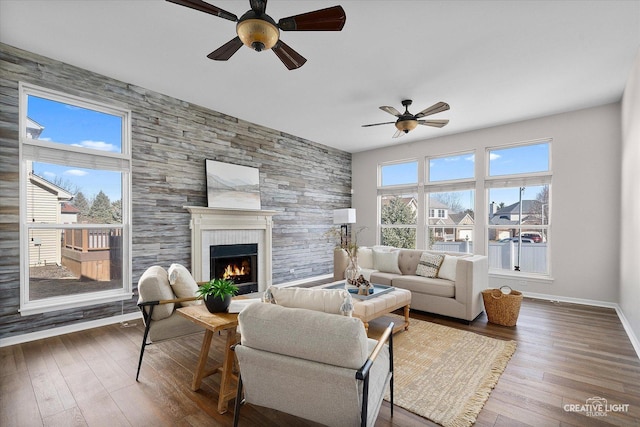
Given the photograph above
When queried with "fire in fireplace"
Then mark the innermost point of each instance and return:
(238, 263)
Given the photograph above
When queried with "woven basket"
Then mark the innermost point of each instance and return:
(502, 309)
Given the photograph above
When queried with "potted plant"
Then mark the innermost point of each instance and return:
(217, 294)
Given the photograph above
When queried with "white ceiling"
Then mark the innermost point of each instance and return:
(494, 62)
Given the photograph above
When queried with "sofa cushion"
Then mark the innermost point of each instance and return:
(429, 264)
(326, 300)
(182, 283)
(304, 334)
(386, 262)
(448, 268)
(154, 286)
(381, 278)
(425, 285)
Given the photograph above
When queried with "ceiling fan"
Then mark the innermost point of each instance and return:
(407, 121)
(259, 31)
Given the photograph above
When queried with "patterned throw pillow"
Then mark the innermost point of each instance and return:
(429, 264)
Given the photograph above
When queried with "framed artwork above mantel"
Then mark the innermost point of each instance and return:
(232, 186)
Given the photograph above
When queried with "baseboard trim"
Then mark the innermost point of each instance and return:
(623, 319)
(34, 336)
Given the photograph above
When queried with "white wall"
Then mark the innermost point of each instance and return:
(585, 230)
(630, 211)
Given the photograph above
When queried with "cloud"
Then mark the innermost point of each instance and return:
(75, 172)
(471, 158)
(494, 156)
(98, 145)
(49, 175)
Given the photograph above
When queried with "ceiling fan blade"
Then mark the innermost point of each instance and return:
(391, 110)
(227, 50)
(378, 124)
(258, 6)
(329, 19)
(206, 8)
(289, 57)
(434, 123)
(398, 134)
(435, 108)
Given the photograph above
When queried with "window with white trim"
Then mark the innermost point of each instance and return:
(518, 186)
(450, 199)
(398, 204)
(74, 201)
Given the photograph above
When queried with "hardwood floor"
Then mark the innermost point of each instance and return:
(566, 354)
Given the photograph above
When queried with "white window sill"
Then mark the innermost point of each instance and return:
(516, 275)
(73, 301)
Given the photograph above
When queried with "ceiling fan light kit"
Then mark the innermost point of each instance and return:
(407, 122)
(258, 34)
(257, 30)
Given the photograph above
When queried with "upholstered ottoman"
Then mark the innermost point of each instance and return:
(373, 308)
(381, 305)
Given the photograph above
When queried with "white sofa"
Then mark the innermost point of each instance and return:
(454, 291)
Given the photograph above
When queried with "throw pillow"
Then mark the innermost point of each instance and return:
(327, 300)
(386, 262)
(182, 283)
(365, 257)
(154, 286)
(448, 268)
(429, 264)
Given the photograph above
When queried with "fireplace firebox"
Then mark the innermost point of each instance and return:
(238, 263)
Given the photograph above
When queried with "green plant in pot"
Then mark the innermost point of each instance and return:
(217, 294)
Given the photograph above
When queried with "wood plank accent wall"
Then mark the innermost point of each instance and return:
(171, 139)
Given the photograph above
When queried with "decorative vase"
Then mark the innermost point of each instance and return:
(352, 272)
(217, 305)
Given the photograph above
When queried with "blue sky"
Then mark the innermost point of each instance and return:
(506, 161)
(80, 127)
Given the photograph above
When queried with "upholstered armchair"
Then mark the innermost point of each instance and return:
(311, 364)
(159, 293)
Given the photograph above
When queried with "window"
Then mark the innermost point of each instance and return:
(398, 204)
(518, 190)
(74, 201)
(450, 200)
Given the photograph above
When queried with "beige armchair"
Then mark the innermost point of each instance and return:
(158, 297)
(311, 364)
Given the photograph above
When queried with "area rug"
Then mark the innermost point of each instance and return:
(445, 374)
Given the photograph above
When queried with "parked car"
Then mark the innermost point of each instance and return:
(536, 237)
(515, 240)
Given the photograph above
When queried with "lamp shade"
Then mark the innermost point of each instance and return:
(344, 216)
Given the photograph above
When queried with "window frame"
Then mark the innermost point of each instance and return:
(525, 179)
(33, 150)
(398, 190)
(445, 186)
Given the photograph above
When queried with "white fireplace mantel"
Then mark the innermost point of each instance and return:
(211, 226)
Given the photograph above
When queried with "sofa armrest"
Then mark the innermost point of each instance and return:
(340, 263)
(472, 277)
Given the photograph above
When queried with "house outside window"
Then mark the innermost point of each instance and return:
(74, 201)
(398, 204)
(450, 197)
(518, 185)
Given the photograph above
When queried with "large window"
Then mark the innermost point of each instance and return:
(74, 188)
(518, 189)
(398, 204)
(450, 202)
